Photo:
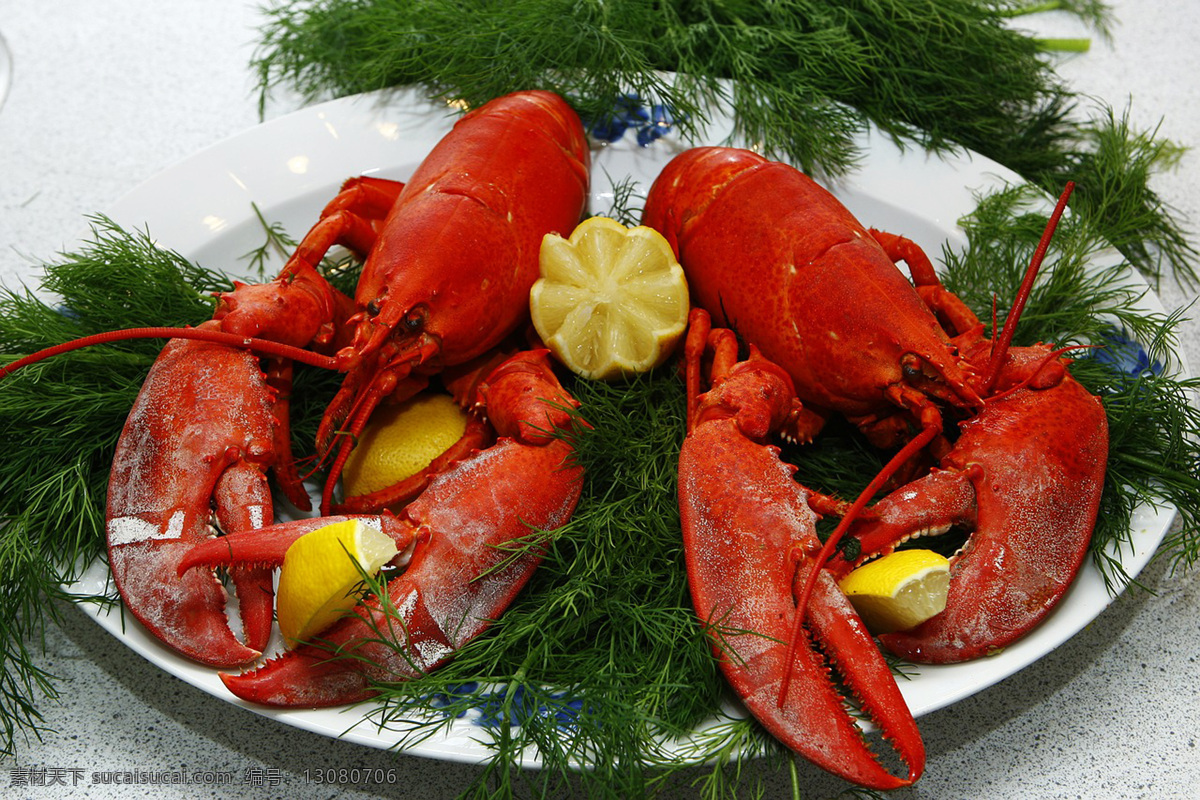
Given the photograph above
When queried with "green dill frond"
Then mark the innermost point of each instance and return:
(277, 244)
(801, 78)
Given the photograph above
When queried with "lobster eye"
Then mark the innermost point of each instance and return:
(414, 320)
(373, 308)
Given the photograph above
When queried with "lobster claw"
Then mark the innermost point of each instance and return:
(190, 444)
(746, 523)
(476, 527)
(750, 542)
(1025, 477)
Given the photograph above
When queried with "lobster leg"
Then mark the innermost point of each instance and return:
(949, 307)
(473, 553)
(750, 543)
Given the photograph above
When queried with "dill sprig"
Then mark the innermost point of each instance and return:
(801, 79)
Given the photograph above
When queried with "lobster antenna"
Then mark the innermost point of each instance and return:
(1010, 323)
(260, 346)
(913, 447)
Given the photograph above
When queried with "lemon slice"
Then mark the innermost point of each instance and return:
(401, 440)
(611, 301)
(319, 574)
(900, 590)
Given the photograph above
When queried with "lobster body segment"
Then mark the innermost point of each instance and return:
(776, 257)
(507, 174)
(750, 541)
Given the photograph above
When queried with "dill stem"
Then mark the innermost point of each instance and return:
(1033, 8)
(1064, 45)
(1155, 466)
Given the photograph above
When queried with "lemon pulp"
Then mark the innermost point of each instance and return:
(320, 572)
(900, 590)
(402, 440)
(611, 301)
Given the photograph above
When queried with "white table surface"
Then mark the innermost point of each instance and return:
(106, 95)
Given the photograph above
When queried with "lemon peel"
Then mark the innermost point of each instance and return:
(402, 440)
(900, 590)
(611, 301)
(320, 572)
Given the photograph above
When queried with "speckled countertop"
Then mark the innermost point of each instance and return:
(106, 95)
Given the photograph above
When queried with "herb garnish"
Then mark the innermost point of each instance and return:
(59, 425)
(803, 78)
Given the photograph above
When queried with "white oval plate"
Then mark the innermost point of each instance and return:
(290, 167)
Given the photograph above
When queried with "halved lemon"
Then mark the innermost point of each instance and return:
(611, 301)
(900, 590)
(320, 572)
(401, 440)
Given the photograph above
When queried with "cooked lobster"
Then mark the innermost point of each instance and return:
(449, 261)
(776, 257)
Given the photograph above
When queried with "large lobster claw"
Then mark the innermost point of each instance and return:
(473, 553)
(191, 441)
(207, 426)
(750, 542)
(1025, 477)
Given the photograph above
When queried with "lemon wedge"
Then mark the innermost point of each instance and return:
(319, 574)
(401, 440)
(611, 301)
(900, 590)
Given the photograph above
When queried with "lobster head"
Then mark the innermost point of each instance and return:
(450, 271)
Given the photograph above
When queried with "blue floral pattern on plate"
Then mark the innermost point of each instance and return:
(649, 122)
(497, 708)
(1126, 354)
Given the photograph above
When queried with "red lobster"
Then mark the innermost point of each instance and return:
(773, 255)
(449, 261)
(448, 273)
